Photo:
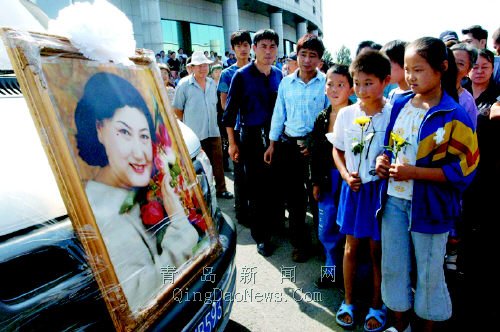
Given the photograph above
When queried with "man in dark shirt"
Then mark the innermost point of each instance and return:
(174, 64)
(252, 96)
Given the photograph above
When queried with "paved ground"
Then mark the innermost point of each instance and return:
(268, 297)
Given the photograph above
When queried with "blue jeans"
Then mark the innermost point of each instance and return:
(432, 299)
(328, 229)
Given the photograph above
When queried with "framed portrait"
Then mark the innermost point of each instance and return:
(123, 170)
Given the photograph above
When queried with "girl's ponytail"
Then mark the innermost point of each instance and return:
(449, 78)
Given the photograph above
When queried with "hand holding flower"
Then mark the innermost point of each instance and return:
(382, 166)
(402, 172)
(354, 181)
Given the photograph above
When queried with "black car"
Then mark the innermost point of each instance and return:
(47, 281)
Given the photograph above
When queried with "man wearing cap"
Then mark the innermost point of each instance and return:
(449, 37)
(195, 103)
(291, 62)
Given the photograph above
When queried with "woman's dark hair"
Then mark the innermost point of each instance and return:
(311, 42)
(371, 62)
(487, 54)
(435, 52)
(341, 70)
(103, 94)
(471, 52)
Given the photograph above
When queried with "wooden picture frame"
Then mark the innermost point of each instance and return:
(134, 154)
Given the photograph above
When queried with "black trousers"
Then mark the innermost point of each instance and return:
(294, 169)
(259, 181)
(240, 188)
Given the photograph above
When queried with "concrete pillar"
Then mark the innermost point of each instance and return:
(230, 21)
(151, 25)
(276, 22)
(301, 29)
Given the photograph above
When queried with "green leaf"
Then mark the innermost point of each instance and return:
(390, 148)
(129, 202)
(160, 234)
(176, 169)
(357, 148)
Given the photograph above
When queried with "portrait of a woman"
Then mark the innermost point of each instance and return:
(115, 132)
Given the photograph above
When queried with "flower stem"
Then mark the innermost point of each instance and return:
(361, 152)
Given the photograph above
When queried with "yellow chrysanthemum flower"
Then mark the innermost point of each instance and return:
(397, 139)
(362, 120)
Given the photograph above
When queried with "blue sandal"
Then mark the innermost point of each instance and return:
(345, 309)
(380, 316)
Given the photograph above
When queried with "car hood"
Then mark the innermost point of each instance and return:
(192, 141)
(29, 194)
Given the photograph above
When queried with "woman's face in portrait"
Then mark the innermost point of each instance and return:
(127, 140)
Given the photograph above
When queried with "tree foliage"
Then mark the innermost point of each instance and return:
(343, 56)
(327, 57)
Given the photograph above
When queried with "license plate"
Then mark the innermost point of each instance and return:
(210, 320)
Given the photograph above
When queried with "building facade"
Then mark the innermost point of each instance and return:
(207, 24)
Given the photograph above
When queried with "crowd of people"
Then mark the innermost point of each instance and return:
(397, 150)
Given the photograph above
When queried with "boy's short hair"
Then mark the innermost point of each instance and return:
(311, 42)
(395, 51)
(239, 37)
(368, 44)
(371, 62)
(476, 31)
(341, 70)
(266, 34)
